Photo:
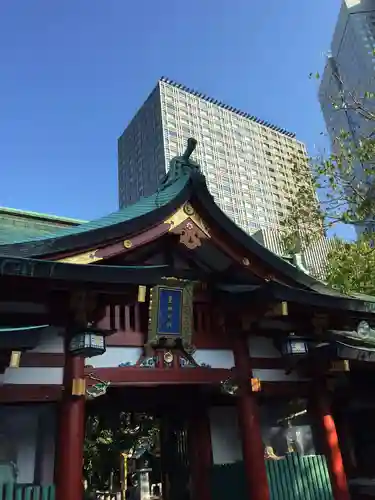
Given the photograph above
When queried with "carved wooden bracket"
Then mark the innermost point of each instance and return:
(190, 234)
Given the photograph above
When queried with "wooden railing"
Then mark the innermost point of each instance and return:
(12, 491)
(291, 478)
(125, 320)
(130, 324)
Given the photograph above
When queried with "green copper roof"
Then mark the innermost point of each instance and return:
(29, 242)
(40, 216)
(21, 225)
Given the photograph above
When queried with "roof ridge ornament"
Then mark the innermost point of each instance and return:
(190, 148)
(181, 165)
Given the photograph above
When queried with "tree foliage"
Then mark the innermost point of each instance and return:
(344, 179)
(108, 434)
(351, 267)
(345, 182)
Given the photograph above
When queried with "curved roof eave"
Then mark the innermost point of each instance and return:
(134, 218)
(248, 242)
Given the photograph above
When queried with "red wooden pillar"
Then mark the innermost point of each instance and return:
(200, 455)
(71, 434)
(249, 424)
(331, 446)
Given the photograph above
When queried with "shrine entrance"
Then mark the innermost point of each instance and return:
(139, 442)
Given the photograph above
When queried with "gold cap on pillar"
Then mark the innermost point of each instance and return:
(78, 387)
(142, 293)
(284, 308)
(15, 359)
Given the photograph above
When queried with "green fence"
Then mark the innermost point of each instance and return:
(12, 491)
(228, 481)
(299, 478)
(290, 478)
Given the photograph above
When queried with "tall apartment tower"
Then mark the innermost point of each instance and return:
(350, 68)
(247, 162)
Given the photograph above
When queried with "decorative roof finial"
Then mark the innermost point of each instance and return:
(180, 166)
(191, 145)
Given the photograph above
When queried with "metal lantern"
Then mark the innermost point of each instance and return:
(294, 346)
(87, 344)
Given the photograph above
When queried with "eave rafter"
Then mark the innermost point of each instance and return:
(116, 248)
(187, 223)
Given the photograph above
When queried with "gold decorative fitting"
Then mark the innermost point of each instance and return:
(128, 244)
(142, 293)
(168, 357)
(79, 387)
(188, 209)
(15, 359)
(82, 258)
(184, 213)
(245, 261)
(284, 308)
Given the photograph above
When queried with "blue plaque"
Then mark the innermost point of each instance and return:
(169, 311)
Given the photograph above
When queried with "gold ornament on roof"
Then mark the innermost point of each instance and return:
(82, 258)
(184, 213)
(188, 209)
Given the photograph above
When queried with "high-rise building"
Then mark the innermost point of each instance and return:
(350, 67)
(248, 163)
(349, 73)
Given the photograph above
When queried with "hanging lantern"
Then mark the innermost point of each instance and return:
(88, 343)
(294, 346)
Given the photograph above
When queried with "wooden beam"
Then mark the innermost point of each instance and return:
(29, 393)
(153, 377)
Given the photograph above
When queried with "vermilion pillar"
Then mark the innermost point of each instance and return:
(248, 419)
(331, 446)
(69, 485)
(200, 454)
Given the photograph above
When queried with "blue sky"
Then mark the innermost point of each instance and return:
(73, 73)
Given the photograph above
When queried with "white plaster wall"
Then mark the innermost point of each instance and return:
(225, 440)
(48, 446)
(259, 347)
(215, 358)
(262, 347)
(114, 356)
(33, 376)
(51, 340)
(19, 435)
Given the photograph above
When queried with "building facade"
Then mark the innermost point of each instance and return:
(248, 163)
(350, 67)
(349, 73)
